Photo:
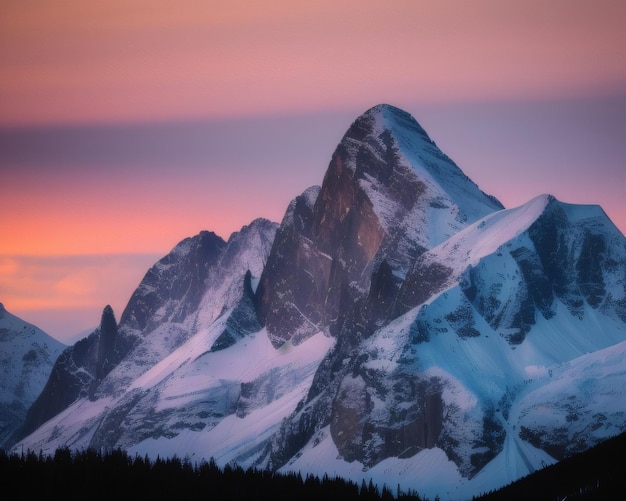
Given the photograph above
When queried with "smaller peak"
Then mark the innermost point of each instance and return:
(258, 222)
(209, 240)
(545, 198)
(208, 234)
(549, 198)
(108, 323)
(107, 314)
(575, 213)
(311, 194)
(538, 203)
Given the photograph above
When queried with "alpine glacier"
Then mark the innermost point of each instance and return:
(398, 325)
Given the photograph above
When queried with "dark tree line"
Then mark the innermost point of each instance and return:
(598, 473)
(115, 474)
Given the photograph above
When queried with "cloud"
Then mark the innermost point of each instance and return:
(43, 287)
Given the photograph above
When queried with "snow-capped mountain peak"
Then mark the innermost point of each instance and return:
(388, 195)
(399, 325)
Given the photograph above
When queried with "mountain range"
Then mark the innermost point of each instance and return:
(398, 325)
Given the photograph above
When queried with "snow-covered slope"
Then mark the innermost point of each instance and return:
(27, 355)
(398, 325)
(196, 402)
(187, 291)
(202, 280)
(499, 374)
(447, 199)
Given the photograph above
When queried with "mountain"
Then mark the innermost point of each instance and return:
(399, 326)
(388, 195)
(201, 280)
(499, 372)
(27, 355)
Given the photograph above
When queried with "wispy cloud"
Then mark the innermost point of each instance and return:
(34, 287)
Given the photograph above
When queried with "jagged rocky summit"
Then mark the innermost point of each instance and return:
(399, 325)
(388, 195)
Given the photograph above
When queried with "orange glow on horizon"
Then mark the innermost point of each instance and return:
(85, 218)
(148, 61)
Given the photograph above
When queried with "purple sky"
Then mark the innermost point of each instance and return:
(128, 126)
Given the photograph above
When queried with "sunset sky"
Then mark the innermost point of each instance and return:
(126, 126)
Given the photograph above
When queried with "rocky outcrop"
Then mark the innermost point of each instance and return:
(174, 286)
(76, 373)
(388, 195)
(106, 342)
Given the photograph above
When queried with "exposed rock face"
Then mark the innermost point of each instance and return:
(173, 287)
(412, 421)
(242, 321)
(579, 256)
(425, 279)
(201, 280)
(106, 343)
(294, 259)
(166, 305)
(76, 372)
(388, 195)
(564, 256)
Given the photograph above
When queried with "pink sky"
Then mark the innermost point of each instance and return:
(126, 126)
